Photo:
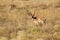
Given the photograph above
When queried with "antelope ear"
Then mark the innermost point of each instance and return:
(29, 13)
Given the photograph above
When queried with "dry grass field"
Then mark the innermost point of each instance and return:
(29, 19)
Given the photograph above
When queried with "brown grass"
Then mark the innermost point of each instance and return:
(16, 23)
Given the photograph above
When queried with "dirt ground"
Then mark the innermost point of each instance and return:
(29, 19)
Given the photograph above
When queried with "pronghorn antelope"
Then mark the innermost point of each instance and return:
(38, 20)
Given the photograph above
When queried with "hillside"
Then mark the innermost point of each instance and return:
(29, 19)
